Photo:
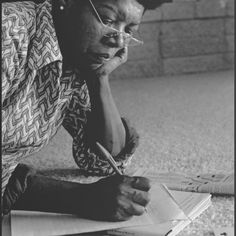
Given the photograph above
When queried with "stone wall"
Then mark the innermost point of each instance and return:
(185, 36)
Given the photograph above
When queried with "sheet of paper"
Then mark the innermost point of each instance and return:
(45, 224)
(218, 184)
(6, 225)
(162, 208)
(190, 202)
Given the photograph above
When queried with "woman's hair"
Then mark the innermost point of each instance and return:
(152, 4)
(148, 4)
(35, 1)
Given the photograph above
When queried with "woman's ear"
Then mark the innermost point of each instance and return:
(65, 4)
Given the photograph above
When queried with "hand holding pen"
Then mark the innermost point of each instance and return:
(133, 193)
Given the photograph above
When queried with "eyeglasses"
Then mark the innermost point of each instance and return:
(128, 39)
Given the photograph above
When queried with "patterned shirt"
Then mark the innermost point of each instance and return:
(37, 99)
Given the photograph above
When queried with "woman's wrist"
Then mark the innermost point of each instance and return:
(99, 87)
(95, 81)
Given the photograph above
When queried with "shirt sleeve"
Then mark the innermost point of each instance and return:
(84, 152)
(17, 185)
(15, 40)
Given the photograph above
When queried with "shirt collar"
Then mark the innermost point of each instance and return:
(45, 47)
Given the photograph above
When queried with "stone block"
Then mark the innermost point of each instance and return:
(138, 69)
(195, 64)
(229, 25)
(209, 8)
(191, 46)
(146, 51)
(150, 32)
(152, 15)
(230, 43)
(184, 9)
(229, 60)
(230, 8)
(193, 28)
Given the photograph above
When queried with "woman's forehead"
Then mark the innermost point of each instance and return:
(119, 3)
(124, 8)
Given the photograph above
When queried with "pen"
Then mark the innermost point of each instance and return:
(110, 159)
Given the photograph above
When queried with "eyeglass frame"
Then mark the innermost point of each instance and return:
(117, 32)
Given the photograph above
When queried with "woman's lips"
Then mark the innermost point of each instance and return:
(104, 55)
(98, 57)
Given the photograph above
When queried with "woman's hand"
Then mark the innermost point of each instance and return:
(102, 71)
(117, 198)
(119, 59)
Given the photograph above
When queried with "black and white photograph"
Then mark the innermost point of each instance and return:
(117, 118)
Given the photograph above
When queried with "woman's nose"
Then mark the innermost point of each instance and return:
(120, 40)
(116, 41)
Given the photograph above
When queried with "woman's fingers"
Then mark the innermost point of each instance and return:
(129, 207)
(119, 59)
(140, 197)
(141, 183)
(131, 201)
(122, 215)
(135, 195)
(123, 54)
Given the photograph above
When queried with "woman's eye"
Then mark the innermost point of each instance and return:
(132, 30)
(129, 31)
(107, 21)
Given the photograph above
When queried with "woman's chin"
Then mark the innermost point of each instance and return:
(90, 63)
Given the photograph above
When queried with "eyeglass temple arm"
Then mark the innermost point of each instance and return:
(96, 12)
(136, 40)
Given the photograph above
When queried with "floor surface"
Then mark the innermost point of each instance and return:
(186, 125)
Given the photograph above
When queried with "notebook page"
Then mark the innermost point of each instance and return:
(44, 224)
(162, 208)
(218, 184)
(190, 202)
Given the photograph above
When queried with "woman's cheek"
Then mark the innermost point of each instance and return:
(90, 38)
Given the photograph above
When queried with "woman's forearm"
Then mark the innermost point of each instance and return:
(105, 122)
(51, 195)
(107, 199)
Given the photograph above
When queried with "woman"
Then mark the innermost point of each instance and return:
(56, 60)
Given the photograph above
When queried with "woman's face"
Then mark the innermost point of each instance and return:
(87, 42)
